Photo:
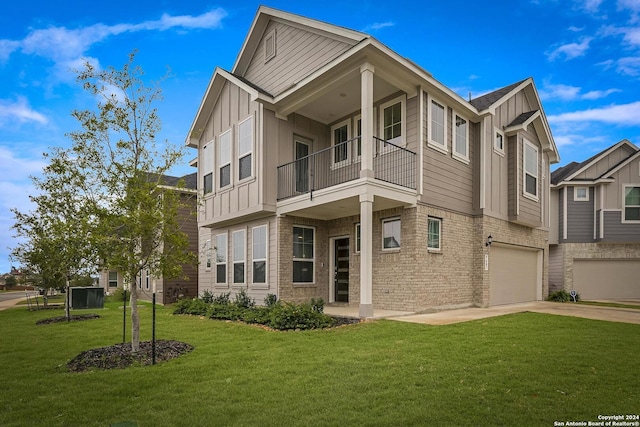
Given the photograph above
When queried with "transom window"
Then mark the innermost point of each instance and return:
(303, 254)
(530, 169)
(433, 234)
(221, 258)
(631, 203)
(391, 233)
(438, 131)
(245, 148)
(238, 256)
(461, 145)
(259, 254)
(225, 159)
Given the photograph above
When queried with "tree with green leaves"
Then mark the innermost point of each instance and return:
(137, 226)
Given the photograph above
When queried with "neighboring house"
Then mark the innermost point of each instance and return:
(168, 290)
(595, 237)
(330, 166)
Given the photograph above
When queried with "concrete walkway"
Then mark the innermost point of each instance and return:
(611, 314)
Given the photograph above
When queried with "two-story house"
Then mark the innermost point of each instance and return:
(332, 167)
(595, 235)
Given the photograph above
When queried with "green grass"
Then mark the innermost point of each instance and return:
(523, 369)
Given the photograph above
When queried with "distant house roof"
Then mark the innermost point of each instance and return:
(485, 101)
(190, 181)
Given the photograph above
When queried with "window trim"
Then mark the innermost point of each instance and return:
(430, 141)
(312, 260)
(496, 132)
(229, 162)
(334, 163)
(208, 166)
(226, 258)
(402, 99)
(266, 255)
(242, 155)
(464, 158)
(526, 143)
(624, 204)
(392, 219)
(576, 198)
(439, 222)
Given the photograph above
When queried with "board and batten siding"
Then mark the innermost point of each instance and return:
(580, 221)
(308, 50)
(606, 163)
(613, 193)
(448, 182)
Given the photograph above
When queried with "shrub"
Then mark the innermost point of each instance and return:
(222, 299)
(117, 295)
(270, 300)
(290, 316)
(180, 306)
(562, 296)
(195, 306)
(244, 300)
(317, 305)
(207, 296)
(225, 312)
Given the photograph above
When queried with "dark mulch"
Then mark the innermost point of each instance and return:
(120, 355)
(74, 318)
(341, 321)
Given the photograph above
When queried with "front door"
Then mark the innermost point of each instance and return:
(341, 270)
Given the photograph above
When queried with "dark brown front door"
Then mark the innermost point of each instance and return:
(341, 270)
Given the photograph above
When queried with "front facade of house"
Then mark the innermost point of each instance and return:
(331, 167)
(595, 240)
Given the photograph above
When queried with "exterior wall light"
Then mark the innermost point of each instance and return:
(489, 241)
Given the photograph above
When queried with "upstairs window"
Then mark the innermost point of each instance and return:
(631, 203)
(245, 148)
(339, 137)
(581, 194)
(461, 145)
(225, 159)
(498, 141)
(207, 167)
(437, 120)
(392, 123)
(530, 168)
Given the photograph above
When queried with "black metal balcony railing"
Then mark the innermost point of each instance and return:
(341, 163)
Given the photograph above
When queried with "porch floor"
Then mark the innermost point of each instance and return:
(346, 311)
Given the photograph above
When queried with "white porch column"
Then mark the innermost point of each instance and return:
(366, 81)
(366, 255)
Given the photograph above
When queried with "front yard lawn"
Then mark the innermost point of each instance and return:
(522, 369)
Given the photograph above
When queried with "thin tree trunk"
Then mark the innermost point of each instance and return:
(67, 302)
(135, 319)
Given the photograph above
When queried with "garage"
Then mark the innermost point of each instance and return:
(515, 274)
(606, 279)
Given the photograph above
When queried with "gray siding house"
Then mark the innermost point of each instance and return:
(595, 239)
(330, 166)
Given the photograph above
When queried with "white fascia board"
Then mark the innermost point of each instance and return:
(601, 156)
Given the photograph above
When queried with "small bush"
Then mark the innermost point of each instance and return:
(222, 299)
(117, 295)
(317, 305)
(181, 306)
(270, 300)
(244, 300)
(290, 316)
(225, 312)
(562, 296)
(207, 296)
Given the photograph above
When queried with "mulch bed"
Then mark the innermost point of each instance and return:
(74, 318)
(120, 355)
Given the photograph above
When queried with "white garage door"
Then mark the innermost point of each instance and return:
(607, 279)
(515, 274)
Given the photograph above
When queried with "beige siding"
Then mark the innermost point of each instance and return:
(629, 174)
(606, 163)
(308, 50)
(556, 268)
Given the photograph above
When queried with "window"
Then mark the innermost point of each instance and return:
(245, 148)
(303, 254)
(270, 46)
(433, 234)
(207, 249)
(438, 119)
(631, 203)
(207, 167)
(113, 279)
(530, 169)
(238, 257)
(498, 142)
(580, 194)
(392, 124)
(225, 159)
(358, 120)
(221, 258)
(339, 137)
(391, 233)
(358, 237)
(461, 143)
(146, 282)
(259, 254)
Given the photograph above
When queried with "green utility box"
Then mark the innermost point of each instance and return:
(89, 297)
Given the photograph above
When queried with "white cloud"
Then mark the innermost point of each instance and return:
(378, 26)
(598, 94)
(19, 110)
(626, 114)
(7, 47)
(570, 50)
(571, 93)
(590, 5)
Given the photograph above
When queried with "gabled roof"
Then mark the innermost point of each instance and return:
(485, 101)
(573, 169)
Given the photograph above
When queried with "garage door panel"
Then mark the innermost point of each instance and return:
(607, 279)
(514, 275)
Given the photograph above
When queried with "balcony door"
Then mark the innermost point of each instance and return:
(302, 150)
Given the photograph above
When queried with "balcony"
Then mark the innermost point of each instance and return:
(341, 163)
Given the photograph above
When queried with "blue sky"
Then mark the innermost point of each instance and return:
(584, 56)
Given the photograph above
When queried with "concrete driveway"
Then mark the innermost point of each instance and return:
(611, 314)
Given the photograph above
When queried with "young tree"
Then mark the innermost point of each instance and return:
(137, 226)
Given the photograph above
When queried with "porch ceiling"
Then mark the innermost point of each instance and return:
(343, 208)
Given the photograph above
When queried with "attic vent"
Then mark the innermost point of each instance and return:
(270, 46)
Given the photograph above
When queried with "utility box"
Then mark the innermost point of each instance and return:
(89, 297)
